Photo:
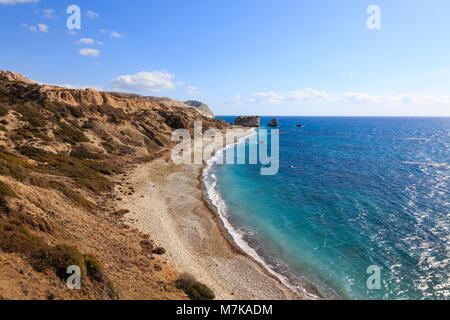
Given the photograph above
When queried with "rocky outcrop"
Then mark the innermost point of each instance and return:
(201, 107)
(251, 121)
(14, 76)
(273, 123)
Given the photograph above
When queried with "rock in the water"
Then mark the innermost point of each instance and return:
(299, 126)
(274, 123)
(251, 122)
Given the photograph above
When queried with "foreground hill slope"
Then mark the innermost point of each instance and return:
(64, 156)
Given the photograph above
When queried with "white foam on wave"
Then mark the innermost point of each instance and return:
(216, 200)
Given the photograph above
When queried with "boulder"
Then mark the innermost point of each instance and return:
(251, 121)
(159, 251)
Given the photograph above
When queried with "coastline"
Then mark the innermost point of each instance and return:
(170, 205)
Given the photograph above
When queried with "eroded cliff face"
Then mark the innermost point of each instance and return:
(91, 97)
(63, 154)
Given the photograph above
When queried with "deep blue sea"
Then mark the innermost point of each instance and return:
(350, 193)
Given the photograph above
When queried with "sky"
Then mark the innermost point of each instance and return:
(247, 57)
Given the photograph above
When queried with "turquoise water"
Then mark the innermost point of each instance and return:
(350, 193)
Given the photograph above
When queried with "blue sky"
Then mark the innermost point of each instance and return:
(242, 57)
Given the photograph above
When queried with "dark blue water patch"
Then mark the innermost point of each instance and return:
(350, 193)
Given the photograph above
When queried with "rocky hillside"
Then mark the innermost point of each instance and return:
(64, 156)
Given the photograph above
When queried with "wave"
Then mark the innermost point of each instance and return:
(215, 199)
(429, 164)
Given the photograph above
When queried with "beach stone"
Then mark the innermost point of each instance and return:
(146, 245)
(159, 250)
(157, 267)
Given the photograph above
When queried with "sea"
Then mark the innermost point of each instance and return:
(359, 208)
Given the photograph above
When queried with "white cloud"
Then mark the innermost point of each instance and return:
(316, 96)
(49, 13)
(89, 52)
(372, 74)
(87, 41)
(192, 91)
(348, 74)
(16, 1)
(235, 99)
(442, 70)
(114, 34)
(155, 81)
(92, 15)
(43, 27)
(40, 27)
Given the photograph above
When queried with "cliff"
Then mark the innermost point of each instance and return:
(63, 158)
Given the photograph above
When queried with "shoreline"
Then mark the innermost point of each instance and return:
(170, 205)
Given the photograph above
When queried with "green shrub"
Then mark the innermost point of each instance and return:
(108, 147)
(6, 191)
(82, 153)
(194, 289)
(15, 238)
(2, 128)
(94, 268)
(77, 112)
(5, 122)
(58, 258)
(3, 111)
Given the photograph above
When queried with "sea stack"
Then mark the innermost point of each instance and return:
(274, 123)
(251, 121)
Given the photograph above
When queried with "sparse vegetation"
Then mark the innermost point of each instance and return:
(108, 147)
(16, 238)
(59, 258)
(6, 191)
(94, 268)
(75, 197)
(85, 173)
(83, 153)
(69, 134)
(31, 115)
(3, 111)
(194, 289)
